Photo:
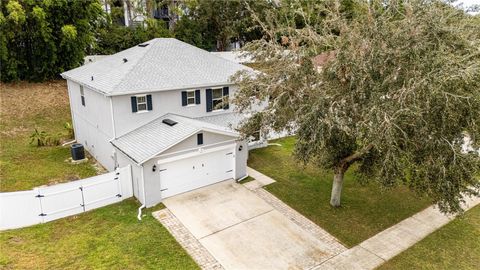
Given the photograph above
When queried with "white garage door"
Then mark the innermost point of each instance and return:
(194, 172)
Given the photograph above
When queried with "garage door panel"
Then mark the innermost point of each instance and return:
(195, 172)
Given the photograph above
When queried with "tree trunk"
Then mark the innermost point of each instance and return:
(337, 187)
(340, 170)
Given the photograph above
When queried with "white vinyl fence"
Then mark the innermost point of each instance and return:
(43, 204)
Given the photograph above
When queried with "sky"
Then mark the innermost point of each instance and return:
(467, 3)
(470, 2)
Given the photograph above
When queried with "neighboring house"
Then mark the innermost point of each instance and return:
(164, 107)
(137, 11)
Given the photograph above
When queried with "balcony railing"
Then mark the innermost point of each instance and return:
(160, 13)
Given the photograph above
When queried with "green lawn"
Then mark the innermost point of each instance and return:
(366, 210)
(24, 107)
(454, 246)
(107, 238)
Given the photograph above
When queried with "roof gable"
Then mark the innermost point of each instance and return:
(164, 64)
(155, 137)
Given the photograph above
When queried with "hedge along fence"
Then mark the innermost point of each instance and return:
(43, 204)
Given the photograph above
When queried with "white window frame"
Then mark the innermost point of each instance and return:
(194, 97)
(221, 98)
(142, 103)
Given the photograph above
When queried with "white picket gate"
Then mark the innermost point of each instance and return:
(43, 204)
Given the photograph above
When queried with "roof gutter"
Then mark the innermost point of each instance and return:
(185, 87)
(129, 157)
(143, 91)
(82, 83)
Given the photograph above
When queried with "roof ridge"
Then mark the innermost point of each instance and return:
(138, 60)
(184, 116)
(139, 127)
(204, 124)
(210, 53)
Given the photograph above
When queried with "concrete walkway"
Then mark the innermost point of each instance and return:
(260, 179)
(382, 247)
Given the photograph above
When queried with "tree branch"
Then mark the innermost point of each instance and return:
(346, 162)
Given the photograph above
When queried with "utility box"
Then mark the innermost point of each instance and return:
(78, 152)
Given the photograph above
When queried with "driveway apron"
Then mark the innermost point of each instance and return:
(242, 231)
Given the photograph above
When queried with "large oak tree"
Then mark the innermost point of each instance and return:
(391, 86)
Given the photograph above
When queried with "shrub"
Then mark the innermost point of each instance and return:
(42, 138)
(38, 138)
(69, 128)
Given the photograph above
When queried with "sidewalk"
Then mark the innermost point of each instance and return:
(376, 250)
(260, 179)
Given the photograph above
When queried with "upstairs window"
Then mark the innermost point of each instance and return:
(141, 103)
(190, 98)
(82, 95)
(217, 99)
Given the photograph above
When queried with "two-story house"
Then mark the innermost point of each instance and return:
(164, 107)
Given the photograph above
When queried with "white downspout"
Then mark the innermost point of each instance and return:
(139, 216)
(114, 133)
(113, 119)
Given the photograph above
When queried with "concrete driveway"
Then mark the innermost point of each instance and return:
(242, 231)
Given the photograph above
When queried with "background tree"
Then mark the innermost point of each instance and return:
(397, 90)
(41, 39)
(213, 25)
(112, 37)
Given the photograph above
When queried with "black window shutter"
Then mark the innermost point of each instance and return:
(209, 99)
(83, 100)
(197, 96)
(200, 138)
(134, 103)
(149, 102)
(184, 98)
(225, 94)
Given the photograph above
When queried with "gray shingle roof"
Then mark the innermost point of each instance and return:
(155, 137)
(228, 120)
(165, 64)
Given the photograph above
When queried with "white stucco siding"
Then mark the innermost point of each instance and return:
(152, 183)
(92, 123)
(241, 157)
(162, 102)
